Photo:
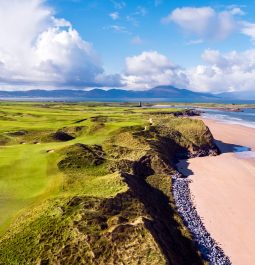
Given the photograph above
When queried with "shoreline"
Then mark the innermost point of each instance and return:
(209, 116)
(206, 245)
(237, 134)
(242, 123)
(222, 190)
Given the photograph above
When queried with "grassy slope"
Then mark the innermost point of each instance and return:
(39, 199)
(27, 172)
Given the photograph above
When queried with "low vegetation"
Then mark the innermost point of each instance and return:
(91, 184)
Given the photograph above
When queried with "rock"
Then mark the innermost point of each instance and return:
(205, 243)
(187, 113)
(231, 109)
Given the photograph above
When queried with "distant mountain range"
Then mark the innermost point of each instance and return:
(159, 93)
(241, 95)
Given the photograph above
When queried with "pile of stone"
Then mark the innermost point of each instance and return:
(209, 249)
(188, 113)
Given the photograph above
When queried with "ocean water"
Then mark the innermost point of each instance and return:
(245, 118)
(246, 155)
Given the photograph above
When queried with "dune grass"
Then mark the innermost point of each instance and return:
(56, 194)
(28, 174)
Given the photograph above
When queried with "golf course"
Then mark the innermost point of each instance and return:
(89, 183)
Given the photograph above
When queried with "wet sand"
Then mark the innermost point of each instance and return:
(224, 191)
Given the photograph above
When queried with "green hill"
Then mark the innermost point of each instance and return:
(91, 184)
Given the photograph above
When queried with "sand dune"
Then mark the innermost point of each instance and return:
(224, 191)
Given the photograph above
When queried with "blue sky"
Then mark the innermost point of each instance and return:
(91, 19)
(203, 46)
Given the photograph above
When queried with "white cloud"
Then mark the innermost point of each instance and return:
(231, 71)
(224, 72)
(114, 15)
(37, 48)
(191, 18)
(150, 69)
(237, 11)
(205, 22)
(248, 29)
(62, 56)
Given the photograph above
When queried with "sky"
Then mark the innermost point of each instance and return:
(206, 46)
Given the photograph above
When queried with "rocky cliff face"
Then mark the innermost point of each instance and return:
(137, 226)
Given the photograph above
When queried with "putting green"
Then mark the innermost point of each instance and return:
(27, 174)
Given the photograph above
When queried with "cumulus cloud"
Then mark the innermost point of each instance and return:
(191, 18)
(205, 22)
(237, 11)
(150, 69)
(232, 71)
(37, 48)
(220, 72)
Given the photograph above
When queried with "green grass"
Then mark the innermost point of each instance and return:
(191, 129)
(28, 174)
(36, 192)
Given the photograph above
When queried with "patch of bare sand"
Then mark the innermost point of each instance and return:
(224, 192)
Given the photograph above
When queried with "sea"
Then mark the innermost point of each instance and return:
(246, 117)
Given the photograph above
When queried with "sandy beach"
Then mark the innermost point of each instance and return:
(224, 191)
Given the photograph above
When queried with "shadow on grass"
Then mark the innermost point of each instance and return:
(176, 248)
